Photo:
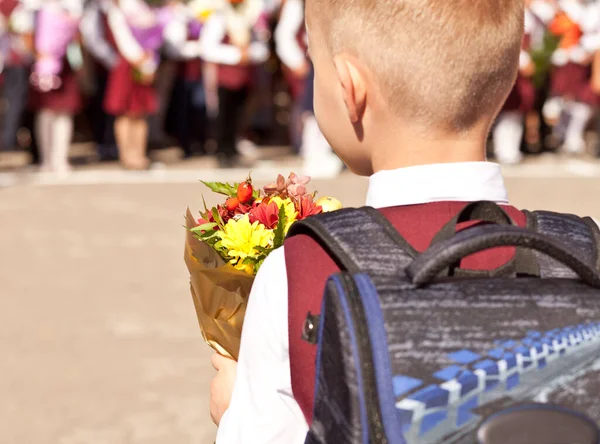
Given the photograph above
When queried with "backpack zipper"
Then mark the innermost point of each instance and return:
(376, 430)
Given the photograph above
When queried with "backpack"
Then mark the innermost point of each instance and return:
(413, 349)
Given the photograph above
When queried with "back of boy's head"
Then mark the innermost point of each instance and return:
(443, 64)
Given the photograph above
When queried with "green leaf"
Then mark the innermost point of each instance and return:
(222, 188)
(250, 261)
(217, 217)
(256, 194)
(542, 57)
(204, 227)
(280, 230)
(263, 250)
(258, 265)
(208, 235)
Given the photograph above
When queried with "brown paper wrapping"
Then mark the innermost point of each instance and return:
(220, 294)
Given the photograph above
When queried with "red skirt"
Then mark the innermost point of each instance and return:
(126, 96)
(522, 96)
(235, 77)
(66, 99)
(573, 81)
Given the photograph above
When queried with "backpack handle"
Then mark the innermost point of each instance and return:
(442, 255)
(481, 211)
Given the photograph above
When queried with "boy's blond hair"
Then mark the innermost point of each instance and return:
(447, 63)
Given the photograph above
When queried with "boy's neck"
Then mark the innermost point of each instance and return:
(406, 148)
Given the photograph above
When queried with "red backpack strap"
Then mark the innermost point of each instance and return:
(341, 240)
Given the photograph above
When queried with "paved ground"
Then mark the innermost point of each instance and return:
(99, 339)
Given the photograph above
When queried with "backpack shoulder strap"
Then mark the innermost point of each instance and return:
(581, 234)
(358, 240)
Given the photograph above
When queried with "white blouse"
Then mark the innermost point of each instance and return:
(126, 43)
(177, 44)
(215, 51)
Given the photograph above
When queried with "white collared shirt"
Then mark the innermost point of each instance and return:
(263, 409)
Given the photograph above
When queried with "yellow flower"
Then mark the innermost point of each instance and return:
(290, 211)
(240, 237)
(246, 268)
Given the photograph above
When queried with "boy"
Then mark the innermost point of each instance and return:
(405, 92)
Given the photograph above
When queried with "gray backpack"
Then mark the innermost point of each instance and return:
(412, 349)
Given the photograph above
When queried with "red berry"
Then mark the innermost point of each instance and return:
(244, 192)
(232, 203)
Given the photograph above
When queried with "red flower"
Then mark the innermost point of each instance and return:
(266, 214)
(308, 208)
(225, 215)
(242, 209)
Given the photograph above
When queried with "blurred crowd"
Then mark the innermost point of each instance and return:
(134, 74)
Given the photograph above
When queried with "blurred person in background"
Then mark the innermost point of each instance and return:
(187, 111)
(235, 39)
(55, 95)
(291, 47)
(593, 40)
(319, 160)
(509, 126)
(94, 32)
(136, 31)
(572, 99)
(16, 55)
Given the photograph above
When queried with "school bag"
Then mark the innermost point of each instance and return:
(413, 349)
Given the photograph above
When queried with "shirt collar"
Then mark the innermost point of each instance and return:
(463, 182)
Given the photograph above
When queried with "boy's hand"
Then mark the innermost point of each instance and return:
(221, 387)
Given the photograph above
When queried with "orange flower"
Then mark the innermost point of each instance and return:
(566, 28)
(307, 207)
(266, 214)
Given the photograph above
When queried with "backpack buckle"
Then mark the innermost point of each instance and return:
(310, 330)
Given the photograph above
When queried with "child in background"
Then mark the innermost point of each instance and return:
(291, 46)
(187, 111)
(319, 161)
(16, 52)
(56, 96)
(573, 99)
(508, 130)
(137, 33)
(235, 38)
(94, 33)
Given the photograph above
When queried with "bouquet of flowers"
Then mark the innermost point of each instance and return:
(225, 248)
(56, 29)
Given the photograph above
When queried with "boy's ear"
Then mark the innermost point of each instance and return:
(353, 86)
